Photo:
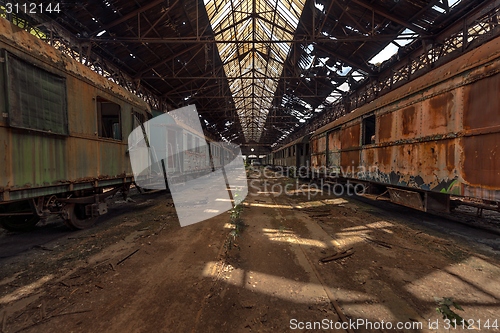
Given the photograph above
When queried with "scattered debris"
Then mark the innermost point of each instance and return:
(130, 255)
(381, 243)
(320, 215)
(42, 247)
(338, 255)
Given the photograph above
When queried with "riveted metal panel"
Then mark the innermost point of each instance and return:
(482, 103)
(386, 128)
(481, 164)
(351, 136)
(438, 116)
(37, 159)
(410, 122)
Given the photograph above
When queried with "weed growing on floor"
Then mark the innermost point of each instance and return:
(444, 308)
(237, 224)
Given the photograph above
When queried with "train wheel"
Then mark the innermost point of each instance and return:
(24, 222)
(77, 219)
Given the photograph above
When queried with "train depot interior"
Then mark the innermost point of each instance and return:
(249, 166)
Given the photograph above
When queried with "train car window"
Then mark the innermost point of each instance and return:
(369, 130)
(37, 99)
(197, 145)
(109, 119)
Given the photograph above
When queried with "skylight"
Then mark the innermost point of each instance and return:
(248, 34)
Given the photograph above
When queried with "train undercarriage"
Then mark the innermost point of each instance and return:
(79, 209)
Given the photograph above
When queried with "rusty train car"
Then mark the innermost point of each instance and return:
(64, 133)
(435, 137)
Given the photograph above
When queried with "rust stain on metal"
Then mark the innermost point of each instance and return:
(481, 165)
(409, 121)
(384, 155)
(441, 107)
(350, 136)
(334, 141)
(369, 157)
(385, 127)
(349, 160)
(450, 156)
(481, 104)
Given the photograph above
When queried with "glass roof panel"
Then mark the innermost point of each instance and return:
(253, 66)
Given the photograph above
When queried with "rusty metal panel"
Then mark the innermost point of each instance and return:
(37, 159)
(385, 128)
(83, 161)
(482, 103)
(334, 140)
(318, 161)
(368, 157)
(351, 136)
(5, 161)
(314, 146)
(439, 114)
(410, 122)
(334, 146)
(481, 164)
(322, 143)
(349, 161)
(384, 158)
(113, 160)
(82, 108)
(410, 199)
(3, 100)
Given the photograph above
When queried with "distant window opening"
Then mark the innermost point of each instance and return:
(109, 119)
(369, 130)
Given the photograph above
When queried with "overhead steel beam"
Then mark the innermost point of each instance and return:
(130, 15)
(209, 76)
(142, 72)
(165, 13)
(383, 12)
(351, 63)
(298, 40)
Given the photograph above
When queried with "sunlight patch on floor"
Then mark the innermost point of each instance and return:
(287, 236)
(25, 290)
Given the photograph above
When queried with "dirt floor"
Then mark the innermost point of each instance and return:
(302, 262)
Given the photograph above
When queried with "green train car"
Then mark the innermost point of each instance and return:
(63, 134)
